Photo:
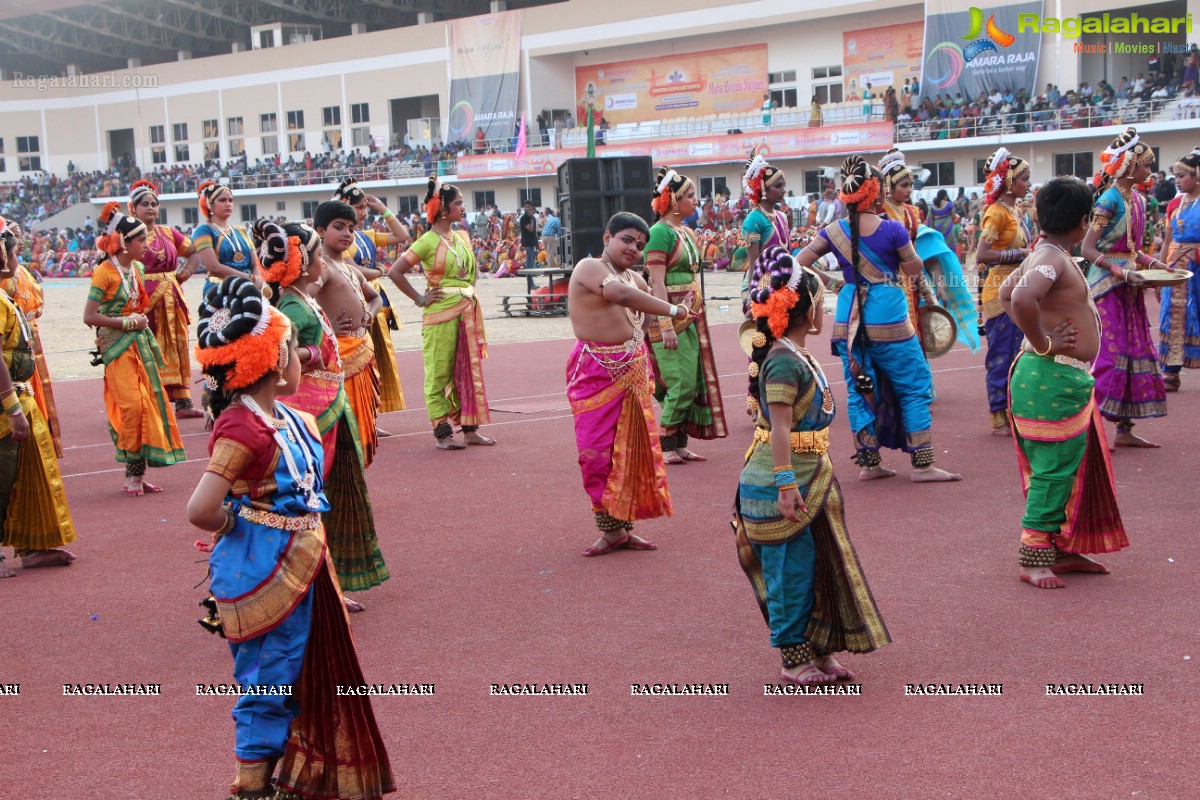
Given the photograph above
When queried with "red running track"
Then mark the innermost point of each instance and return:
(488, 586)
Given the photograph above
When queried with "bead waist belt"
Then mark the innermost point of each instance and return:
(1066, 361)
(305, 522)
(801, 441)
(320, 374)
(464, 291)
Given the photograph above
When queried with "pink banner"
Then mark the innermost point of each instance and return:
(798, 143)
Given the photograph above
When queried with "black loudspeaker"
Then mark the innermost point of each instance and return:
(579, 175)
(583, 210)
(580, 243)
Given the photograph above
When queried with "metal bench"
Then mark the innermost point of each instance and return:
(534, 305)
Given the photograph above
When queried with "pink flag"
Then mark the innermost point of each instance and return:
(521, 143)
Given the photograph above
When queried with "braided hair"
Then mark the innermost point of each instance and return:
(860, 187)
(241, 340)
(349, 192)
(438, 197)
(782, 293)
(274, 256)
(669, 186)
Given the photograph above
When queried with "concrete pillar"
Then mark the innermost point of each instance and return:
(183, 55)
(133, 63)
(424, 17)
(358, 28)
(498, 6)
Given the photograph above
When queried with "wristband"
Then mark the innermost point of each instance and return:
(387, 213)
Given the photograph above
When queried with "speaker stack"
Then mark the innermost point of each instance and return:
(591, 190)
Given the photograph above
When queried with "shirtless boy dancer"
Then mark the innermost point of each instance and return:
(1070, 495)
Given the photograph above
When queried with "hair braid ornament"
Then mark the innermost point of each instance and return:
(859, 188)
(1126, 151)
(240, 336)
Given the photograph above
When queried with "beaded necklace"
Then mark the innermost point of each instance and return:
(128, 280)
(452, 243)
(353, 278)
(818, 373)
(283, 431)
(1184, 205)
(235, 241)
(636, 318)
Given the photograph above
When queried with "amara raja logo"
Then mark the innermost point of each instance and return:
(952, 57)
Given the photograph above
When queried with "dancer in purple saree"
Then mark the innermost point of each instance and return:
(1129, 385)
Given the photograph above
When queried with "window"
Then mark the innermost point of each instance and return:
(191, 215)
(249, 212)
(787, 76)
(941, 173)
(360, 137)
(331, 117)
(211, 131)
(827, 84)
(158, 155)
(360, 113)
(182, 153)
(179, 132)
(295, 120)
(1, 148)
(270, 145)
(711, 186)
(162, 216)
(2, 165)
(237, 147)
(784, 98)
(820, 73)
(484, 199)
(28, 144)
(981, 170)
(309, 208)
(157, 134)
(267, 123)
(406, 204)
(534, 194)
(812, 181)
(1077, 164)
(295, 142)
(212, 151)
(29, 163)
(281, 205)
(234, 126)
(334, 137)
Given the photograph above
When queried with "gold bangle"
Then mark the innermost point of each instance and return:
(1049, 347)
(787, 486)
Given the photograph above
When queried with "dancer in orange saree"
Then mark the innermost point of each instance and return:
(275, 594)
(609, 385)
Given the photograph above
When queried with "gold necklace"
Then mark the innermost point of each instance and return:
(689, 245)
(818, 373)
(636, 318)
(1184, 205)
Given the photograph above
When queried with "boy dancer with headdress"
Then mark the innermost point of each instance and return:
(1129, 383)
(1070, 494)
(291, 261)
(276, 596)
(34, 518)
(140, 420)
(364, 252)
(609, 385)
(351, 304)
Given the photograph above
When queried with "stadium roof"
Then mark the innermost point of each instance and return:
(41, 37)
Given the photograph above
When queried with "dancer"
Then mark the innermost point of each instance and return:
(364, 253)
(1179, 315)
(1129, 384)
(276, 597)
(1004, 242)
(1070, 493)
(453, 342)
(886, 372)
(166, 306)
(764, 227)
(34, 517)
(27, 295)
(684, 366)
(140, 420)
(609, 385)
(351, 304)
(223, 248)
(788, 514)
(941, 282)
(291, 263)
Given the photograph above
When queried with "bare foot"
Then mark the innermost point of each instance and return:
(1128, 439)
(353, 606)
(830, 666)
(474, 437)
(1042, 578)
(382, 434)
(450, 443)
(1074, 562)
(133, 487)
(688, 455)
(606, 544)
(672, 457)
(635, 542)
(47, 558)
(150, 488)
(188, 413)
(6, 572)
(875, 473)
(1001, 431)
(933, 475)
(807, 674)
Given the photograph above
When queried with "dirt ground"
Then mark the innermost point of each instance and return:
(67, 341)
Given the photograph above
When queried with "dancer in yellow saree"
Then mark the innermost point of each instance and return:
(140, 420)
